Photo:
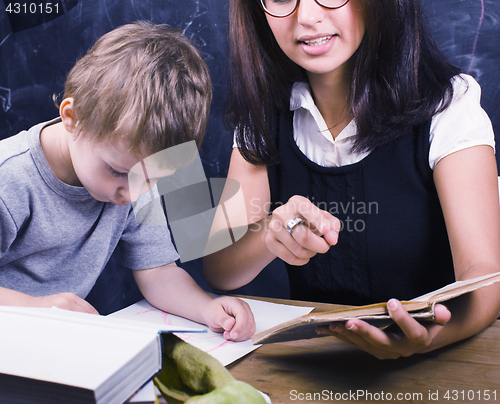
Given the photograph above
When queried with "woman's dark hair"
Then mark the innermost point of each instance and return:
(400, 78)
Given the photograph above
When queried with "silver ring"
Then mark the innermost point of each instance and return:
(296, 221)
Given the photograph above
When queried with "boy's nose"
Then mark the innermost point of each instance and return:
(123, 196)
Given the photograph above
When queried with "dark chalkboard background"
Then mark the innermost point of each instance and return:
(37, 50)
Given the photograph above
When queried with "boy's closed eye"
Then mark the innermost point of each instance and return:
(117, 173)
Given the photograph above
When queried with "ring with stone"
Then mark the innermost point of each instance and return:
(296, 221)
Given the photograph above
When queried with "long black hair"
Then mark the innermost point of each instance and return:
(400, 77)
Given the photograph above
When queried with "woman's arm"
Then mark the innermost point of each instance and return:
(267, 237)
(242, 261)
(467, 186)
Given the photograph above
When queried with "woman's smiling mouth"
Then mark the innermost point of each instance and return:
(317, 45)
(317, 41)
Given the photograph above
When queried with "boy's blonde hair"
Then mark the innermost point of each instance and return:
(142, 83)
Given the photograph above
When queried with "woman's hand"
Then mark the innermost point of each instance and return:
(412, 336)
(316, 234)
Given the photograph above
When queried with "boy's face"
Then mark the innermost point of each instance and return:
(103, 169)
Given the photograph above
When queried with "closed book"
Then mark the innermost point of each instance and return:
(51, 356)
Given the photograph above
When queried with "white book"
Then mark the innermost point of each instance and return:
(57, 356)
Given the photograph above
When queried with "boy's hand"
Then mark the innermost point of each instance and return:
(231, 316)
(67, 301)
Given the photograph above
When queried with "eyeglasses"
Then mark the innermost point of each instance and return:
(283, 8)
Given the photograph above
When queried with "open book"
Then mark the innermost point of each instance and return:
(266, 315)
(59, 356)
(421, 307)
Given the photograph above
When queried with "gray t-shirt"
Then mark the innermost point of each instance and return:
(55, 237)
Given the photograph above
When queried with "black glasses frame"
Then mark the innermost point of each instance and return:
(261, 2)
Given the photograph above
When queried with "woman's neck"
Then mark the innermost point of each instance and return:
(331, 95)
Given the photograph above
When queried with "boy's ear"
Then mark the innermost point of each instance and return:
(66, 113)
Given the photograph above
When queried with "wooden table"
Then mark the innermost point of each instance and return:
(326, 370)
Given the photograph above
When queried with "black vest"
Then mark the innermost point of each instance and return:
(393, 241)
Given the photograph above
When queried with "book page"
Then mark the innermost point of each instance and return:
(459, 287)
(266, 315)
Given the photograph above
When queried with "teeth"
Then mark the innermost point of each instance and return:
(318, 41)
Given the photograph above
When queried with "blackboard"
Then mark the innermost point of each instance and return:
(36, 52)
(35, 61)
(468, 32)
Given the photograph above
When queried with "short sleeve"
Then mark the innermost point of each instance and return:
(235, 143)
(146, 241)
(8, 228)
(462, 125)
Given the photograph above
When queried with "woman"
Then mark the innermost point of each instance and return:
(374, 158)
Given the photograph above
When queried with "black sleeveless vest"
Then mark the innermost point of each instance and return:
(393, 241)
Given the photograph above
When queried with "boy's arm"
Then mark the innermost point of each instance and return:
(67, 301)
(171, 289)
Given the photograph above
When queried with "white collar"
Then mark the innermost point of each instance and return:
(301, 97)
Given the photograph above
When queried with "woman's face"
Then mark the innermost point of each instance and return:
(320, 40)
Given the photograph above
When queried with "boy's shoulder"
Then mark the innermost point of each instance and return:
(17, 166)
(21, 143)
(13, 146)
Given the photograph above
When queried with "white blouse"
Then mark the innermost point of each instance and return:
(462, 125)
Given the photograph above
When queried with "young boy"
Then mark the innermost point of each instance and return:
(64, 189)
